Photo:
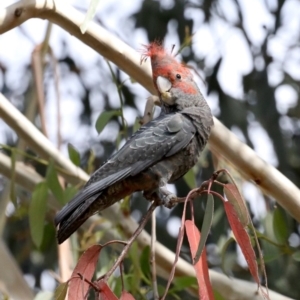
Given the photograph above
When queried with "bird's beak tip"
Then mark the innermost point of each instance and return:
(163, 84)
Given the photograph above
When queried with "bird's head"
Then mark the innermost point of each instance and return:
(173, 80)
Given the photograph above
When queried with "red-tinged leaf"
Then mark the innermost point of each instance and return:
(206, 226)
(105, 292)
(234, 197)
(205, 289)
(86, 267)
(126, 296)
(242, 239)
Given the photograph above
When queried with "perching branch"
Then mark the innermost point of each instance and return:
(229, 288)
(222, 141)
(37, 141)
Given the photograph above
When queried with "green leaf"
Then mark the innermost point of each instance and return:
(184, 282)
(218, 296)
(73, 155)
(53, 183)
(37, 212)
(104, 118)
(280, 225)
(90, 164)
(189, 178)
(145, 262)
(89, 15)
(61, 291)
(296, 256)
(206, 226)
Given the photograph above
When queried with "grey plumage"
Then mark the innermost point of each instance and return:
(160, 152)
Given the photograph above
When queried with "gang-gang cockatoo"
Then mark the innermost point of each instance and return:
(160, 152)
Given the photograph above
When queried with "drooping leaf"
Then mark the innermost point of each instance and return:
(53, 183)
(86, 267)
(234, 197)
(206, 226)
(242, 239)
(201, 268)
(280, 226)
(105, 292)
(145, 262)
(126, 296)
(37, 212)
(73, 155)
(104, 118)
(89, 15)
(61, 291)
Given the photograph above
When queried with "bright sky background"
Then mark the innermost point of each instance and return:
(16, 49)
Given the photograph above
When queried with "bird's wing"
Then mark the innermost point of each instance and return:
(162, 137)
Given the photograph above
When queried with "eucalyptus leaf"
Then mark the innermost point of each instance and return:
(73, 155)
(37, 212)
(280, 226)
(104, 118)
(53, 183)
(145, 262)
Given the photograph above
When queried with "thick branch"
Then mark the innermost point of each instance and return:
(36, 140)
(222, 141)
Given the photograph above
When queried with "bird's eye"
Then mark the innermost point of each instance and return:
(178, 76)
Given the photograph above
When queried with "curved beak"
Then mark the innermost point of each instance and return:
(163, 84)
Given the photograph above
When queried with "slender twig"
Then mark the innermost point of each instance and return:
(37, 68)
(131, 240)
(56, 86)
(124, 125)
(153, 261)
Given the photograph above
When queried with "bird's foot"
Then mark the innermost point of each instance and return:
(162, 197)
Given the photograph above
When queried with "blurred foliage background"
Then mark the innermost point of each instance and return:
(247, 52)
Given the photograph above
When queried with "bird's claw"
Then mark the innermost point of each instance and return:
(162, 197)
